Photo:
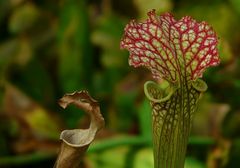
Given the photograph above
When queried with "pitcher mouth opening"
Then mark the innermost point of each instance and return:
(158, 93)
(77, 137)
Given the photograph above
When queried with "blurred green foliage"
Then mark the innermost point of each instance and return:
(49, 48)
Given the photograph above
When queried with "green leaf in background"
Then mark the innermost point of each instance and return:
(34, 80)
(107, 35)
(144, 113)
(193, 163)
(4, 8)
(8, 51)
(15, 51)
(124, 98)
(231, 125)
(112, 66)
(42, 124)
(225, 51)
(75, 54)
(23, 18)
(235, 5)
(111, 158)
(233, 157)
(144, 158)
(161, 6)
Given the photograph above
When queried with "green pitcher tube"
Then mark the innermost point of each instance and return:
(172, 113)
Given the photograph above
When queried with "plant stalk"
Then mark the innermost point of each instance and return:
(172, 113)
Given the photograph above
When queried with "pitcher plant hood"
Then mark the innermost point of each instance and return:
(171, 48)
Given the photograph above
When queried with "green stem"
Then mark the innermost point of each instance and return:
(172, 112)
(118, 141)
(26, 159)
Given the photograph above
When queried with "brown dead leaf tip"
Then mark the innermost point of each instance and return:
(84, 101)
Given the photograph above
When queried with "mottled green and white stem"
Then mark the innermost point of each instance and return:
(172, 113)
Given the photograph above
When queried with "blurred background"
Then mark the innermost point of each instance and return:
(49, 48)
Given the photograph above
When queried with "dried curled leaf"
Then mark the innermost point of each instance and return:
(171, 49)
(77, 141)
(82, 100)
